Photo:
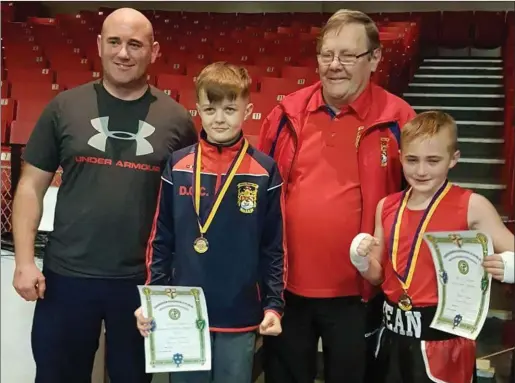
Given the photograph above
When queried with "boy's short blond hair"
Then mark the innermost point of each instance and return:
(347, 16)
(427, 125)
(222, 80)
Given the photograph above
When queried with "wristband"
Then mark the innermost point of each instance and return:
(508, 258)
(359, 262)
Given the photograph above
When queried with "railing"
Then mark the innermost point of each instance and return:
(11, 170)
(12, 164)
(509, 122)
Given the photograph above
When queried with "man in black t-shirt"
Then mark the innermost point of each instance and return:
(112, 139)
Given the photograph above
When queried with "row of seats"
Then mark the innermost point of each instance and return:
(66, 47)
(273, 73)
(452, 29)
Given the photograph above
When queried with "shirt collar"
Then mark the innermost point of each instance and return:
(360, 106)
(208, 147)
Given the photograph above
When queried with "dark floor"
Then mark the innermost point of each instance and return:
(489, 342)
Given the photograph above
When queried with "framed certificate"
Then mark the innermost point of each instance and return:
(180, 339)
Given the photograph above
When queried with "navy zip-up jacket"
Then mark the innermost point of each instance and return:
(242, 271)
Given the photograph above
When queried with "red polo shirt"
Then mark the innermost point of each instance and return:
(323, 203)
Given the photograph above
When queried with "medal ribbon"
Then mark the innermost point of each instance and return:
(407, 278)
(221, 192)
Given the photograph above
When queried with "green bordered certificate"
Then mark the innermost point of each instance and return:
(463, 284)
(180, 339)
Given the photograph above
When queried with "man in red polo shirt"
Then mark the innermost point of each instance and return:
(336, 145)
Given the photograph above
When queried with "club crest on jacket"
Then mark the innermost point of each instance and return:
(247, 197)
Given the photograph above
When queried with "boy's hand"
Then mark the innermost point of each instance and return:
(271, 324)
(145, 325)
(366, 245)
(360, 248)
(494, 265)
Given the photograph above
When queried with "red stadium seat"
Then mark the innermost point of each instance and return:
(26, 91)
(263, 105)
(5, 89)
(252, 139)
(21, 131)
(29, 111)
(4, 131)
(396, 16)
(485, 35)
(280, 87)
(308, 74)
(175, 82)
(71, 79)
(17, 75)
(430, 24)
(188, 99)
(8, 110)
(456, 29)
(194, 69)
(257, 73)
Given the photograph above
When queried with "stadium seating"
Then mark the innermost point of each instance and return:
(456, 29)
(485, 35)
(279, 51)
(56, 54)
(44, 56)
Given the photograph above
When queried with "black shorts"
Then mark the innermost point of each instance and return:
(402, 359)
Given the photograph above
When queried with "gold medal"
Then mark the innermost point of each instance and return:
(201, 244)
(405, 301)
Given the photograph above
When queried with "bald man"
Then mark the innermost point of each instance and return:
(111, 138)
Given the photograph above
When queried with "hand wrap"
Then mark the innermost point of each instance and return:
(360, 263)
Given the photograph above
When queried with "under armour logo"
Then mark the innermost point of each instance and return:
(99, 141)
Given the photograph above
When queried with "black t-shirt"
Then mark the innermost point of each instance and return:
(112, 153)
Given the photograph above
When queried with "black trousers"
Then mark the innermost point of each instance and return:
(340, 322)
(66, 330)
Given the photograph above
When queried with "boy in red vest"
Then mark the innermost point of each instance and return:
(396, 258)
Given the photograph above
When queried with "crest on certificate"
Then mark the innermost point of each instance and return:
(484, 284)
(457, 320)
(463, 267)
(247, 197)
(172, 293)
(444, 277)
(174, 314)
(178, 359)
(457, 240)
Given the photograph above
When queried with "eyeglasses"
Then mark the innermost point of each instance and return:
(327, 58)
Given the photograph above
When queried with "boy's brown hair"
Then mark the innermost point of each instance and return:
(347, 16)
(222, 80)
(427, 125)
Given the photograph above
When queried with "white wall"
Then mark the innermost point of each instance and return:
(285, 6)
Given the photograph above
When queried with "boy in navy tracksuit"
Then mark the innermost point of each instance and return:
(219, 222)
